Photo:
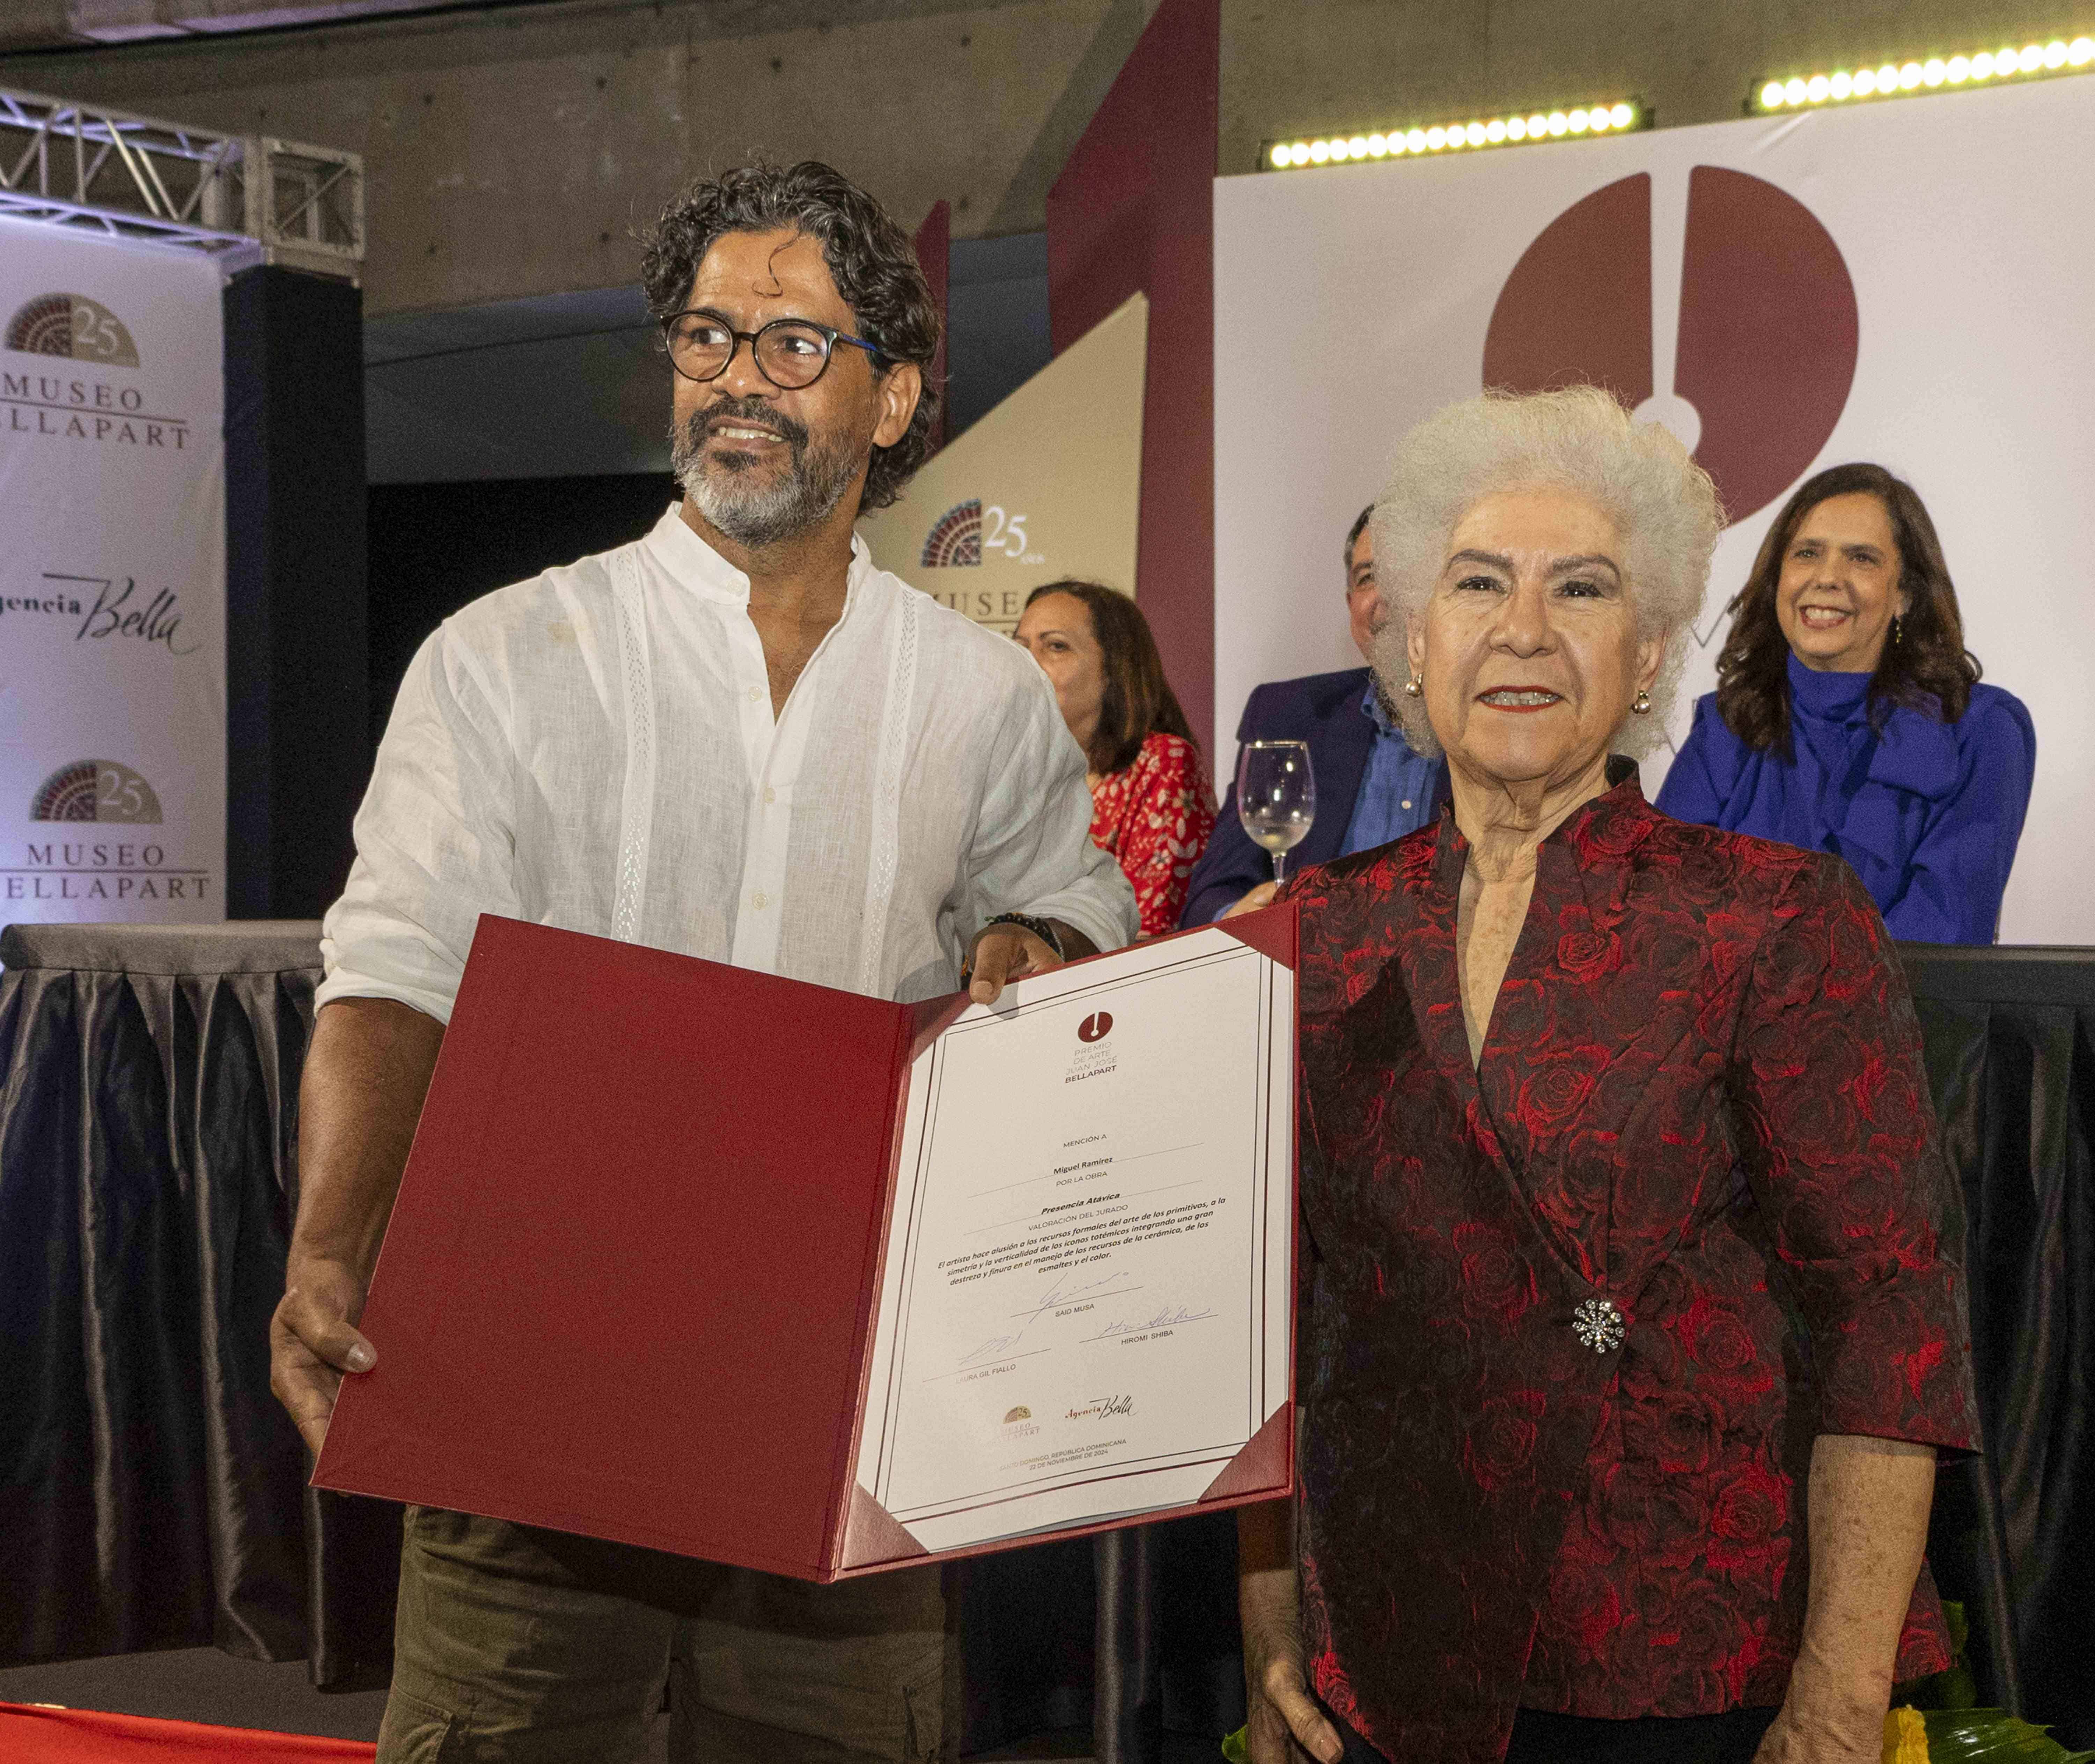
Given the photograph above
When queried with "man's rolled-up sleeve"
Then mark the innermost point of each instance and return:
(1033, 850)
(434, 842)
(1841, 1150)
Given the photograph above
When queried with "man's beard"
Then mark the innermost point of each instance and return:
(725, 488)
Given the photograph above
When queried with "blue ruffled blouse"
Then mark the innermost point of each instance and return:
(1927, 813)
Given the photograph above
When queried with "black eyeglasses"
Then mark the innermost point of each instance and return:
(790, 352)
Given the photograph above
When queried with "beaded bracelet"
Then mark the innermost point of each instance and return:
(1040, 928)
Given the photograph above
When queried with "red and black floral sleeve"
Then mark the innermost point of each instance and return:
(1840, 1149)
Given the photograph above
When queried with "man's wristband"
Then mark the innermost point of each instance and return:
(1042, 929)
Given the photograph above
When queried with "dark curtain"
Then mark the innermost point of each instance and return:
(2010, 1064)
(298, 746)
(1133, 1634)
(435, 547)
(152, 1493)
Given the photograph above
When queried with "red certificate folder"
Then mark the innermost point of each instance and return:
(629, 1286)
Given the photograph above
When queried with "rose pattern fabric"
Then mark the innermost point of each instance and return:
(1155, 814)
(1701, 1099)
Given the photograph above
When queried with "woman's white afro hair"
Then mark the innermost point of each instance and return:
(1580, 440)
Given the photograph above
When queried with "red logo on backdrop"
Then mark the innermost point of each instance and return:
(1769, 331)
(1095, 1027)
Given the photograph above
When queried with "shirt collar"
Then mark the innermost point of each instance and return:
(1833, 697)
(1619, 815)
(1375, 711)
(690, 562)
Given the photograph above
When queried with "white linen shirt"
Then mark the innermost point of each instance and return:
(594, 749)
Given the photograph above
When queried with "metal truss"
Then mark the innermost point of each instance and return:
(245, 198)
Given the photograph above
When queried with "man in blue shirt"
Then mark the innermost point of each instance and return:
(1371, 788)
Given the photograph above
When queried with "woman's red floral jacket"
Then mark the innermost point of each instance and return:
(1155, 814)
(1701, 1100)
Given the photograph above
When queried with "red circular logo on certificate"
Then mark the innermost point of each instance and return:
(1095, 1027)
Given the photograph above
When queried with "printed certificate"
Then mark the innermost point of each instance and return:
(1085, 1304)
(971, 1277)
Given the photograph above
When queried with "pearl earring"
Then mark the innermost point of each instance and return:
(1641, 705)
(1412, 687)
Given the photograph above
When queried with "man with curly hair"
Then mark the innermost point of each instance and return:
(734, 738)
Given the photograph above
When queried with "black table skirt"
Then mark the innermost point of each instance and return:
(152, 1493)
(2010, 1047)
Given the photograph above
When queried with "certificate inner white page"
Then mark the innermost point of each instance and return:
(1084, 1307)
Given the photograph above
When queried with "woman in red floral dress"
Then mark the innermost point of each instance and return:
(1151, 803)
(1633, 1312)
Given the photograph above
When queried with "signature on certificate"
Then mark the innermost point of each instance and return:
(1060, 1294)
(1164, 1319)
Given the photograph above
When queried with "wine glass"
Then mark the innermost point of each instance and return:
(1276, 796)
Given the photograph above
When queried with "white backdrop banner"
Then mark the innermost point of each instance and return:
(112, 580)
(1905, 281)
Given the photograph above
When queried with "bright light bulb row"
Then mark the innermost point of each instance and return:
(1896, 77)
(1538, 125)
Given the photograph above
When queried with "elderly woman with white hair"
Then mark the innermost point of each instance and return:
(1633, 1313)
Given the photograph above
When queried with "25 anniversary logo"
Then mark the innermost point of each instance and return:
(74, 328)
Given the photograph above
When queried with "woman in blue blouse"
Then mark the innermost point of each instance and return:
(1847, 716)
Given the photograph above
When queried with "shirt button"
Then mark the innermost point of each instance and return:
(759, 901)
(755, 694)
(1407, 802)
(771, 795)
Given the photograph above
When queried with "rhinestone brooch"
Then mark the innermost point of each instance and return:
(1598, 1325)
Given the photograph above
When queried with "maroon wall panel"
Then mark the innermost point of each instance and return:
(1134, 210)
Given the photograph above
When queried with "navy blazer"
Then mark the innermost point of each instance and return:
(1324, 710)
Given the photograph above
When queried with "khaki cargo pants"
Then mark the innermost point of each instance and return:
(509, 1650)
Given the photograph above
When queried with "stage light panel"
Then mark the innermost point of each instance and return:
(1891, 79)
(1404, 142)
